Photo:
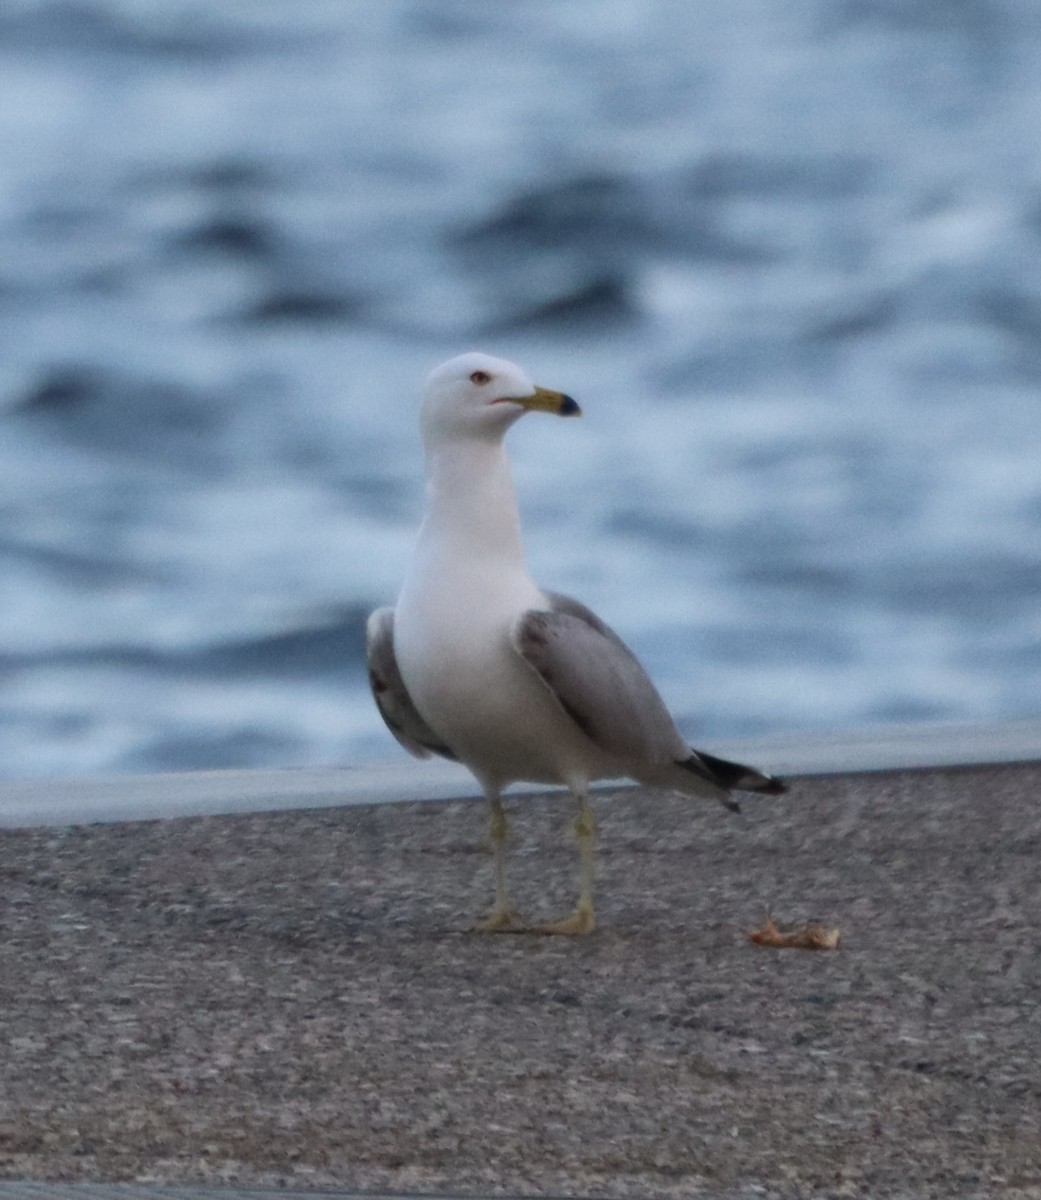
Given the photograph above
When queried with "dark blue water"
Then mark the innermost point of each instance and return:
(786, 257)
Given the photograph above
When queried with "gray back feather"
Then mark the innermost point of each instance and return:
(599, 683)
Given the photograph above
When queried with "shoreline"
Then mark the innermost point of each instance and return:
(65, 801)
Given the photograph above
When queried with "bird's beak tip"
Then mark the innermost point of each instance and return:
(545, 400)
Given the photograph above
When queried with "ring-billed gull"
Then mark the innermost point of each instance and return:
(477, 663)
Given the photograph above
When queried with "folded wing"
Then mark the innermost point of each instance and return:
(388, 689)
(603, 688)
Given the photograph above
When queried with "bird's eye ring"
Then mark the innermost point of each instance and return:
(480, 377)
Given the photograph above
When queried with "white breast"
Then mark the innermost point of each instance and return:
(452, 641)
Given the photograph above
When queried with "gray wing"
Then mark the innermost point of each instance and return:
(601, 685)
(389, 691)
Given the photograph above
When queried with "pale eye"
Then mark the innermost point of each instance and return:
(480, 377)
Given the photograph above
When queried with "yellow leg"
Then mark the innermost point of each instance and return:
(583, 919)
(503, 918)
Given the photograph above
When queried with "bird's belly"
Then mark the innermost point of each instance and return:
(490, 708)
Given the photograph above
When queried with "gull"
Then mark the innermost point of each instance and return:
(477, 663)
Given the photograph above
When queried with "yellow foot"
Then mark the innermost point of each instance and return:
(502, 920)
(581, 921)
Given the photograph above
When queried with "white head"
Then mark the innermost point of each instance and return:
(476, 395)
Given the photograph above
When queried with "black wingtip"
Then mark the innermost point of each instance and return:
(733, 776)
(772, 787)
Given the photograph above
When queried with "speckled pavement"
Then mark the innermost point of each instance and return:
(26, 1190)
(292, 1001)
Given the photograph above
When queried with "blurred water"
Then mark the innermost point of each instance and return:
(785, 257)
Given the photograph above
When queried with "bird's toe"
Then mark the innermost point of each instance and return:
(502, 920)
(581, 921)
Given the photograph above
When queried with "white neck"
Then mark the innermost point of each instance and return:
(471, 504)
